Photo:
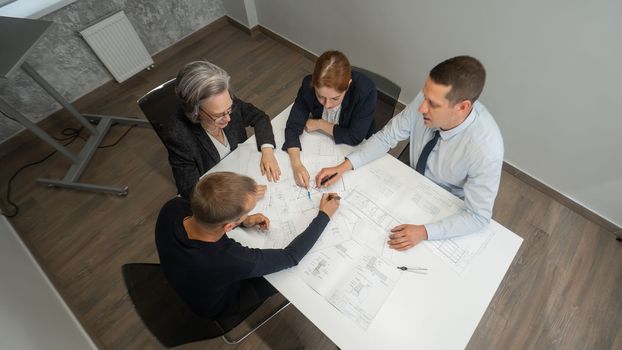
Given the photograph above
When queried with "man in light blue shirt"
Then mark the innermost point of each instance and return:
(466, 159)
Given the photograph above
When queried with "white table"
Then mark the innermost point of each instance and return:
(439, 310)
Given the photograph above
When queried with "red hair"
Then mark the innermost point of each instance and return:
(332, 70)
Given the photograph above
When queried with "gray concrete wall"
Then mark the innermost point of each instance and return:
(553, 80)
(66, 61)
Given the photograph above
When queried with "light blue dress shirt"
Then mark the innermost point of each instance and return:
(466, 161)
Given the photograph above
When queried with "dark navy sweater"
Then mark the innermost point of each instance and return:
(207, 275)
(356, 121)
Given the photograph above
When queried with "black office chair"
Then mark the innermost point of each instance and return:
(168, 317)
(158, 105)
(404, 157)
(388, 94)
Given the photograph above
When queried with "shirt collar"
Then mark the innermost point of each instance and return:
(446, 135)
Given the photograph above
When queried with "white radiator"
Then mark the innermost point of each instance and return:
(117, 45)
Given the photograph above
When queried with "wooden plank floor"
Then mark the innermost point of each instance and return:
(563, 290)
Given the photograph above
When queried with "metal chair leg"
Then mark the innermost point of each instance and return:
(237, 341)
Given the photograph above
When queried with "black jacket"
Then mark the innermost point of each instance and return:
(192, 153)
(356, 121)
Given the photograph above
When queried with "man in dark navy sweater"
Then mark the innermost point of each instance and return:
(214, 274)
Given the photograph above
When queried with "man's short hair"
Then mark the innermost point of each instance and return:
(466, 76)
(221, 197)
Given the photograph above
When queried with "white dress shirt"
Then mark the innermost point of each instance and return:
(466, 161)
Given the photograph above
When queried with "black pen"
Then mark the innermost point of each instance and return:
(419, 270)
(327, 178)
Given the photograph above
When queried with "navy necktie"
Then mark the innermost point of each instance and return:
(423, 157)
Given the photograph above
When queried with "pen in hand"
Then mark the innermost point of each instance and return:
(327, 178)
(333, 196)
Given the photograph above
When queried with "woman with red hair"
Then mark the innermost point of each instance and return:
(333, 100)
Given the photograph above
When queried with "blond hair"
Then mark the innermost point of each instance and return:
(221, 197)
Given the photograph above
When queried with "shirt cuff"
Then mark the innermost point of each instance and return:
(355, 160)
(267, 145)
(434, 231)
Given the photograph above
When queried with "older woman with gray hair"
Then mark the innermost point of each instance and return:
(210, 123)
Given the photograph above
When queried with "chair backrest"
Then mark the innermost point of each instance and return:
(159, 104)
(161, 309)
(388, 95)
(404, 156)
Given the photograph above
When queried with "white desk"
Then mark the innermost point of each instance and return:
(439, 310)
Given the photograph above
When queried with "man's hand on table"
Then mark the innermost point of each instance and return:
(328, 176)
(329, 203)
(257, 219)
(405, 236)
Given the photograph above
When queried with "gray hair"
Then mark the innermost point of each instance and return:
(198, 81)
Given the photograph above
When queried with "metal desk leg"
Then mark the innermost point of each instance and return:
(13, 113)
(81, 161)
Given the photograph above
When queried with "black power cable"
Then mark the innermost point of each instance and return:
(70, 135)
